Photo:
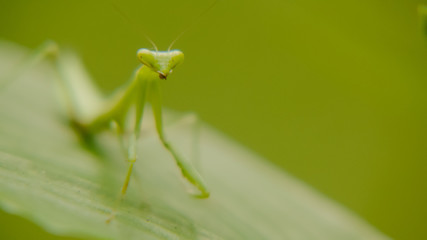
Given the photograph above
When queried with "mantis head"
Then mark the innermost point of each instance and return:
(160, 62)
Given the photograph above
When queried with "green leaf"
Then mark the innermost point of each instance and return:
(49, 177)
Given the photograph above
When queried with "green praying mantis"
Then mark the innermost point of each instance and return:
(90, 112)
(144, 87)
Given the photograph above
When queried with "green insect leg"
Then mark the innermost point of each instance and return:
(187, 169)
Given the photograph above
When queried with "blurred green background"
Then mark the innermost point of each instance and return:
(332, 91)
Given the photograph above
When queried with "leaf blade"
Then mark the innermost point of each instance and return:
(48, 177)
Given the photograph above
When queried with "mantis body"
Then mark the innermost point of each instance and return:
(144, 87)
(90, 113)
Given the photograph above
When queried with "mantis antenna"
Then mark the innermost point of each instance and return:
(119, 10)
(192, 23)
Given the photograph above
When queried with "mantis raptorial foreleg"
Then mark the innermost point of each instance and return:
(187, 169)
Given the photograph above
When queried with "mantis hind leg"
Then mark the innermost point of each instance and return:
(80, 97)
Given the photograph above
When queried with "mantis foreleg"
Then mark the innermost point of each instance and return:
(187, 169)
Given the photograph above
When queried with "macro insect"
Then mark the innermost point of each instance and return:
(90, 112)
